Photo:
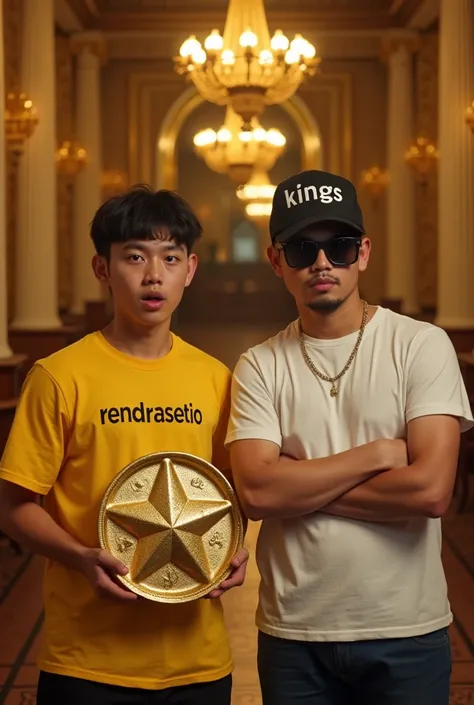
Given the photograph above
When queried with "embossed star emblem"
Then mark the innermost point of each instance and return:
(169, 527)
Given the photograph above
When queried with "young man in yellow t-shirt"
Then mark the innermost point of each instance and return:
(76, 428)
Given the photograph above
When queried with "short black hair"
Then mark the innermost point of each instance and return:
(144, 214)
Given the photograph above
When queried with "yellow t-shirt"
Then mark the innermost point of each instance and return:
(74, 430)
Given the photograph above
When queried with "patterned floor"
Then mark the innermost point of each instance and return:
(21, 606)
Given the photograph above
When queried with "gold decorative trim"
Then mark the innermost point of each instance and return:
(176, 20)
(336, 89)
(92, 42)
(393, 41)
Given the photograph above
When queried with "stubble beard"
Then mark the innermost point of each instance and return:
(325, 305)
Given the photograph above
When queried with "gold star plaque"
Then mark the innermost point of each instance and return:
(173, 519)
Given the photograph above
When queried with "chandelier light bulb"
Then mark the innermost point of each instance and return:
(276, 138)
(298, 45)
(205, 137)
(227, 57)
(259, 134)
(309, 51)
(258, 210)
(224, 135)
(214, 42)
(279, 41)
(199, 57)
(248, 39)
(265, 58)
(189, 47)
(245, 136)
(251, 192)
(291, 57)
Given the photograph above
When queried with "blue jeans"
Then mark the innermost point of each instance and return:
(407, 671)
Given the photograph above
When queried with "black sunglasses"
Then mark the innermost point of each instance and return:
(340, 251)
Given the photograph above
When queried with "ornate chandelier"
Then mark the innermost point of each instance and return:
(20, 121)
(375, 181)
(238, 152)
(70, 158)
(244, 68)
(422, 157)
(257, 195)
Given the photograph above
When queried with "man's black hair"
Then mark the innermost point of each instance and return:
(144, 214)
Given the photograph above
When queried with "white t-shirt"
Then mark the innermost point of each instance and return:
(326, 578)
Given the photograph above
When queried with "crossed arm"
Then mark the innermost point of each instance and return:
(373, 482)
(424, 487)
(386, 480)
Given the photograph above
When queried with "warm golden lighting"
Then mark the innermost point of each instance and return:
(470, 116)
(244, 68)
(258, 210)
(422, 157)
(374, 181)
(20, 120)
(70, 158)
(113, 183)
(238, 152)
(257, 195)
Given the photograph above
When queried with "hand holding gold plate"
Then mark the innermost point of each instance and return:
(173, 519)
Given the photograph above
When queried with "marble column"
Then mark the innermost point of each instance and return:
(456, 167)
(401, 254)
(36, 297)
(5, 350)
(89, 48)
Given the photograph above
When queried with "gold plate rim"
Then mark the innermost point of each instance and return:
(154, 459)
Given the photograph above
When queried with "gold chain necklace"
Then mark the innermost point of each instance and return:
(311, 365)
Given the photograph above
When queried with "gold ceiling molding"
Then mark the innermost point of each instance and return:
(333, 150)
(115, 6)
(200, 20)
(392, 41)
(180, 16)
(90, 42)
(114, 15)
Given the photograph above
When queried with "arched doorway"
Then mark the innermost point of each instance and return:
(213, 195)
(166, 169)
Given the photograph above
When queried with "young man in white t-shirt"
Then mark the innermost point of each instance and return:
(344, 439)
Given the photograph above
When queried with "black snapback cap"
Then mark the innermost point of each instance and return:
(313, 197)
